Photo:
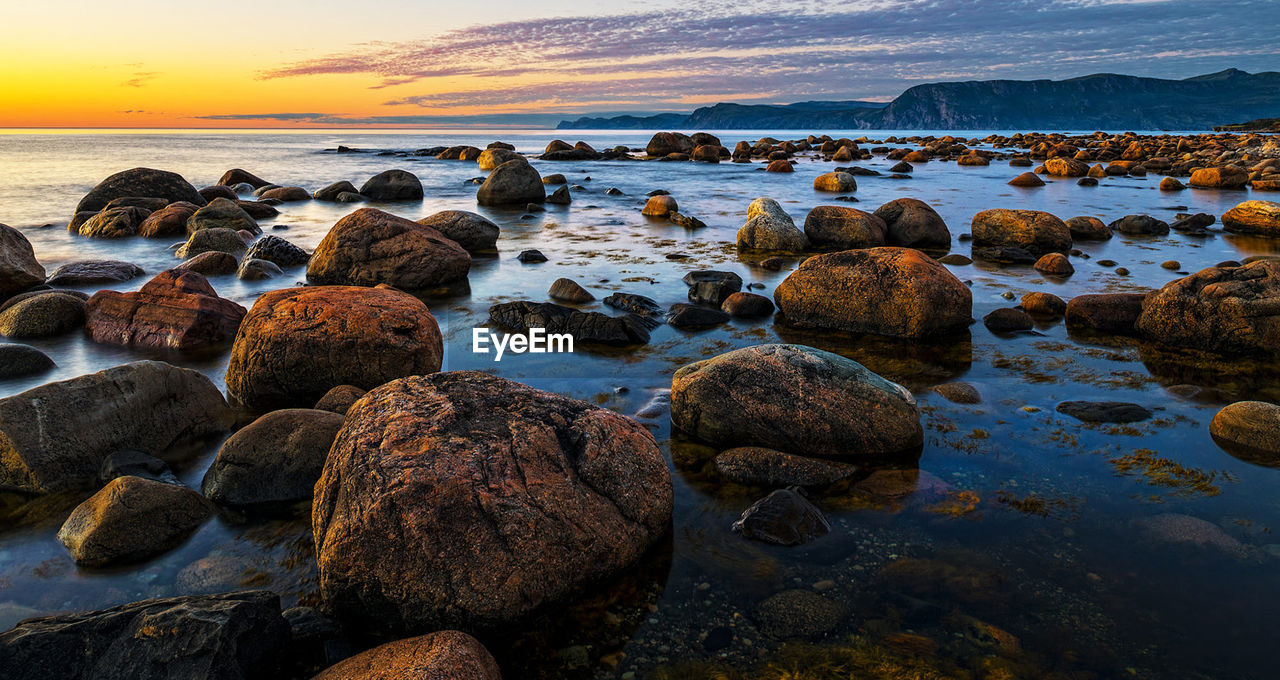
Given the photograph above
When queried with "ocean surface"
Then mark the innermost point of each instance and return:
(1025, 522)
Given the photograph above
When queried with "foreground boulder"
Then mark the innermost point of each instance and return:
(176, 310)
(130, 519)
(842, 228)
(274, 461)
(1225, 309)
(19, 269)
(795, 399)
(594, 327)
(393, 185)
(911, 223)
(1018, 235)
(475, 233)
(769, 227)
(1250, 430)
(899, 292)
(297, 344)
(233, 635)
(369, 247)
(42, 316)
(466, 500)
(140, 182)
(1253, 217)
(55, 437)
(448, 654)
(512, 183)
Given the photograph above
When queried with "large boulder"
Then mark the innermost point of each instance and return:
(1105, 312)
(369, 247)
(1066, 167)
(393, 185)
(222, 213)
(448, 654)
(465, 500)
(770, 228)
(492, 158)
(297, 344)
(512, 183)
(911, 223)
(1226, 177)
(131, 519)
(1018, 235)
(795, 399)
(235, 636)
(1253, 217)
(140, 182)
(663, 143)
(19, 269)
(55, 437)
(274, 461)
(177, 310)
(1250, 430)
(42, 316)
(1224, 309)
(593, 327)
(842, 228)
(475, 233)
(898, 292)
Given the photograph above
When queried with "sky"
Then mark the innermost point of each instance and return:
(401, 63)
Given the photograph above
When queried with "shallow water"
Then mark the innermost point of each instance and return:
(1037, 521)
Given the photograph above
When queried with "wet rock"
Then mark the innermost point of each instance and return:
(92, 272)
(838, 182)
(843, 228)
(236, 176)
(1065, 167)
(1175, 528)
(274, 461)
(114, 223)
(512, 183)
(473, 232)
(799, 614)
(42, 316)
(1140, 225)
(211, 264)
(1171, 184)
(784, 517)
(369, 247)
(285, 194)
(747, 305)
(1192, 222)
(212, 240)
(664, 143)
(793, 398)
(1007, 320)
(554, 178)
(297, 344)
(959, 393)
(20, 361)
(393, 185)
(177, 310)
(1027, 180)
(222, 214)
(232, 635)
(259, 210)
(1104, 411)
(1043, 304)
(956, 259)
(635, 304)
(911, 223)
(130, 519)
(252, 269)
(170, 220)
(1018, 235)
(560, 196)
(19, 269)
(531, 256)
(131, 463)
(1087, 182)
(1106, 312)
(1054, 264)
(340, 399)
(492, 158)
(660, 206)
(440, 487)
(1226, 309)
(446, 655)
(898, 292)
(1088, 229)
(1253, 217)
(143, 182)
(769, 227)
(278, 251)
(1226, 177)
(711, 287)
(758, 466)
(568, 290)
(583, 326)
(331, 192)
(1250, 430)
(692, 317)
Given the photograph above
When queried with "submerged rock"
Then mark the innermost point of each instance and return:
(130, 519)
(446, 655)
(1007, 320)
(766, 467)
(583, 326)
(784, 517)
(711, 287)
(799, 614)
(837, 182)
(747, 305)
(1105, 411)
(1140, 225)
(176, 310)
(1084, 228)
(369, 247)
(331, 192)
(692, 317)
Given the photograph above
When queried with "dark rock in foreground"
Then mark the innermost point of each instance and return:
(583, 326)
(1226, 309)
(19, 361)
(274, 461)
(1104, 411)
(19, 269)
(130, 519)
(784, 517)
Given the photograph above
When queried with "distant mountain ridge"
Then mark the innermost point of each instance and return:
(1100, 101)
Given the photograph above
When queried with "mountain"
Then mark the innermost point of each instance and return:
(1100, 101)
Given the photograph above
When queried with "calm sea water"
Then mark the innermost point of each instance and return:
(1026, 521)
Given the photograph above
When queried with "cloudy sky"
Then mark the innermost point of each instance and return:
(325, 63)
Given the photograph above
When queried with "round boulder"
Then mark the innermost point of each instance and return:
(19, 269)
(370, 247)
(1253, 217)
(1018, 235)
(43, 316)
(475, 233)
(843, 228)
(142, 182)
(393, 185)
(911, 223)
(274, 461)
(1224, 309)
(512, 183)
(445, 655)
(837, 182)
(20, 361)
(222, 213)
(770, 228)
(132, 518)
(1250, 430)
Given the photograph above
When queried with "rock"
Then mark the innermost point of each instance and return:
(285, 194)
(1027, 180)
(843, 228)
(766, 467)
(236, 176)
(446, 655)
(130, 519)
(560, 197)
(19, 269)
(274, 461)
(214, 574)
(1044, 304)
(1171, 184)
(838, 182)
(692, 317)
(331, 192)
(393, 185)
(473, 232)
(212, 240)
(1088, 229)
(769, 227)
(710, 287)
(92, 272)
(1087, 182)
(1007, 320)
(211, 263)
(1249, 430)
(635, 304)
(1018, 235)
(593, 327)
(369, 247)
(1192, 222)
(1104, 411)
(706, 153)
(959, 393)
(899, 292)
(1227, 177)
(439, 488)
(1175, 528)
(1223, 309)
(784, 517)
(747, 305)
(222, 214)
(1108, 312)
(492, 158)
(130, 463)
(794, 398)
(339, 399)
(911, 223)
(259, 210)
(531, 256)
(512, 183)
(278, 251)
(1253, 217)
(1054, 264)
(1065, 167)
(232, 635)
(168, 221)
(568, 290)
(297, 344)
(554, 178)
(663, 143)
(42, 316)
(143, 182)
(1140, 225)
(252, 269)
(20, 361)
(177, 310)
(799, 614)
(660, 206)
(114, 223)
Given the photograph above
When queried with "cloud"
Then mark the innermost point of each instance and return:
(753, 49)
(140, 77)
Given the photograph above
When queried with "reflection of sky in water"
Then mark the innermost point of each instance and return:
(1059, 506)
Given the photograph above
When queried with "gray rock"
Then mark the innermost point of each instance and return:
(19, 269)
(274, 461)
(252, 269)
(20, 361)
(277, 250)
(473, 232)
(393, 185)
(212, 240)
(583, 326)
(93, 272)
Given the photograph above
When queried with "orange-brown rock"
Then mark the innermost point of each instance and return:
(462, 499)
(1225, 177)
(1253, 217)
(19, 269)
(841, 228)
(369, 247)
(780, 165)
(1224, 309)
(1171, 184)
(1066, 167)
(1054, 264)
(1085, 228)
(706, 153)
(660, 206)
(1027, 179)
(663, 143)
(446, 655)
(1043, 304)
(898, 292)
(836, 182)
(913, 224)
(176, 310)
(1105, 312)
(1018, 235)
(168, 221)
(297, 344)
